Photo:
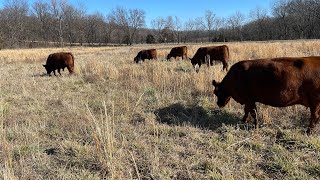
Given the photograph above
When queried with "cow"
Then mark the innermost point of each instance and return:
(146, 54)
(57, 61)
(277, 82)
(206, 55)
(177, 52)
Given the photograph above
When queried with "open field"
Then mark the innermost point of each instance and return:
(157, 120)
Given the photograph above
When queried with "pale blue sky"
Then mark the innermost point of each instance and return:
(184, 9)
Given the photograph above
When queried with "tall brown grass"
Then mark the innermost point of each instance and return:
(116, 119)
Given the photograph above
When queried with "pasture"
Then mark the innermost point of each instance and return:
(116, 119)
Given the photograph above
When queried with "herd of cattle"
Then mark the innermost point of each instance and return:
(278, 82)
(204, 55)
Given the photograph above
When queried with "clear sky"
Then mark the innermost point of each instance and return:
(184, 9)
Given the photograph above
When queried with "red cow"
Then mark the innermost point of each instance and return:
(206, 55)
(277, 82)
(177, 52)
(59, 61)
(146, 54)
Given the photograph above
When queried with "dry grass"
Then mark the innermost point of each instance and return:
(158, 120)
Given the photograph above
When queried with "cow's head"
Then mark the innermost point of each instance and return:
(168, 57)
(221, 93)
(136, 59)
(47, 68)
(195, 64)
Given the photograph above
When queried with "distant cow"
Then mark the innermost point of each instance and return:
(206, 55)
(175, 52)
(146, 54)
(57, 61)
(276, 82)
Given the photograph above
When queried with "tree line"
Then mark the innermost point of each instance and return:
(58, 23)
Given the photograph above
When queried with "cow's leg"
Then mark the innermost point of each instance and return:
(246, 113)
(225, 65)
(207, 60)
(59, 71)
(253, 113)
(315, 116)
(250, 108)
(54, 72)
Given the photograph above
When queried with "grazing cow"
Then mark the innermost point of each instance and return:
(206, 55)
(277, 82)
(146, 54)
(177, 52)
(59, 61)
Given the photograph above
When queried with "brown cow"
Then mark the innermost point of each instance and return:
(206, 55)
(146, 54)
(59, 61)
(177, 52)
(276, 82)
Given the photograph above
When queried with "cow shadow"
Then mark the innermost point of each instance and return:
(46, 75)
(179, 114)
(39, 74)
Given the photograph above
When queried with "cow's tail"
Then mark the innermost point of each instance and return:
(227, 59)
(72, 56)
(72, 66)
(228, 53)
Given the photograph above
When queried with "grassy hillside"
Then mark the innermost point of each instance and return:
(157, 120)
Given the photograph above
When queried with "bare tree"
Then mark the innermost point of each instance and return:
(176, 27)
(129, 21)
(200, 29)
(189, 26)
(280, 12)
(167, 32)
(259, 17)
(57, 12)
(79, 23)
(110, 27)
(94, 28)
(219, 23)
(41, 11)
(70, 17)
(14, 18)
(236, 22)
(208, 23)
(304, 20)
(158, 25)
(58, 21)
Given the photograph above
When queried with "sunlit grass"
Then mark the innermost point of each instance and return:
(157, 120)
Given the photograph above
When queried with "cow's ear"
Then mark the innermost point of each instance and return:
(215, 83)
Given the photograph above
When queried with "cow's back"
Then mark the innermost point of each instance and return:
(177, 52)
(218, 52)
(276, 82)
